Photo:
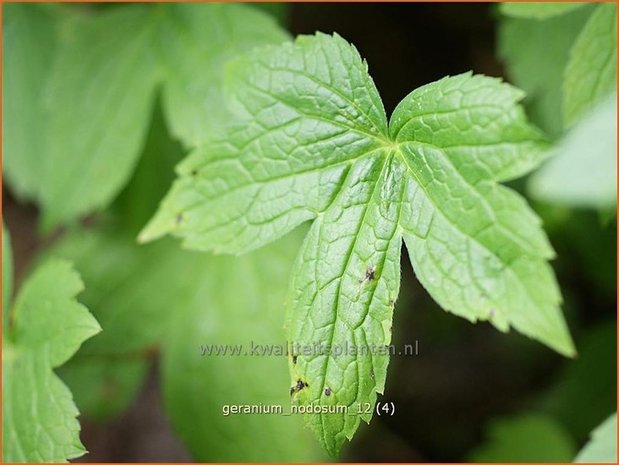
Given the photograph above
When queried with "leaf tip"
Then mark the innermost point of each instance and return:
(563, 343)
(155, 229)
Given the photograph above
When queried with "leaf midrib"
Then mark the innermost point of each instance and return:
(351, 249)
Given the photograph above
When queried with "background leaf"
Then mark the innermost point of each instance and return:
(538, 10)
(536, 53)
(28, 31)
(278, 10)
(89, 94)
(582, 170)
(158, 299)
(199, 305)
(222, 315)
(195, 42)
(526, 437)
(48, 326)
(603, 444)
(100, 95)
(591, 72)
(573, 399)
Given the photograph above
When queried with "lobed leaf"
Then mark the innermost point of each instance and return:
(157, 298)
(476, 246)
(313, 142)
(47, 327)
(232, 188)
(573, 400)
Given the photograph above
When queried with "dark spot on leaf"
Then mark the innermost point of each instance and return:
(294, 359)
(179, 218)
(370, 273)
(299, 386)
(372, 374)
(327, 391)
(194, 173)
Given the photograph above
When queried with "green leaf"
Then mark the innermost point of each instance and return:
(249, 319)
(156, 298)
(529, 437)
(538, 10)
(195, 42)
(591, 72)
(7, 276)
(132, 290)
(77, 109)
(313, 142)
(602, 448)
(582, 170)
(48, 326)
(100, 96)
(28, 31)
(536, 54)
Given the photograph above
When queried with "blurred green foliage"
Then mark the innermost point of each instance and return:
(581, 171)
(89, 93)
(156, 302)
(160, 300)
(7, 275)
(531, 10)
(536, 53)
(603, 444)
(565, 57)
(525, 437)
